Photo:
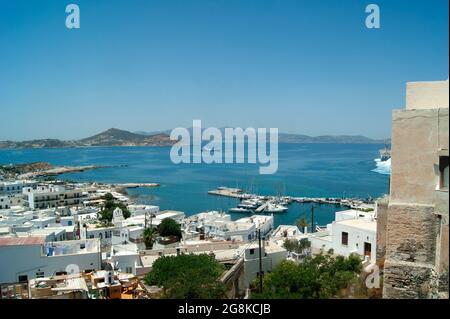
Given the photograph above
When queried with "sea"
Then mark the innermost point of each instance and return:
(304, 170)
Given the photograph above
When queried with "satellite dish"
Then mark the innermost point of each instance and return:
(72, 269)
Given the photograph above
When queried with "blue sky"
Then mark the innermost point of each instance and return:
(304, 66)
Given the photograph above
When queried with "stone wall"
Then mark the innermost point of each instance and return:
(382, 207)
(414, 228)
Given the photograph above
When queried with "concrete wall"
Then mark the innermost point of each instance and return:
(427, 95)
(417, 138)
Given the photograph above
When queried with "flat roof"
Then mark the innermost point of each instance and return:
(360, 223)
(22, 241)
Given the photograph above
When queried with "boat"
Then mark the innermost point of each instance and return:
(275, 208)
(240, 210)
(249, 204)
(385, 154)
(210, 149)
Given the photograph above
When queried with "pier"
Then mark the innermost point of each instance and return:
(352, 203)
(137, 185)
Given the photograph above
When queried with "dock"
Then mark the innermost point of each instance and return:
(227, 192)
(137, 185)
(351, 203)
(261, 208)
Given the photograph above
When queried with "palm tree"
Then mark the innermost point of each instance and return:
(302, 223)
(149, 236)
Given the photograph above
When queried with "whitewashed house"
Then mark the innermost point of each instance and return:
(31, 257)
(352, 232)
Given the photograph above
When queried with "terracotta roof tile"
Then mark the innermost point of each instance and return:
(22, 241)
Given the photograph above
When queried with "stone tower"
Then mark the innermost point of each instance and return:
(413, 221)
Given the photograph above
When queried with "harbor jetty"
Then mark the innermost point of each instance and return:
(137, 185)
(49, 170)
(367, 204)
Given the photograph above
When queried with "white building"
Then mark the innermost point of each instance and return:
(5, 203)
(271, 255)
(149, 210)
(8, 188)
(50, 233)
(264, 223)
(53, 196)
(31, 257)
(220, 226)
(172, 214)
(96, 231)
(43, 222)
(352, 232)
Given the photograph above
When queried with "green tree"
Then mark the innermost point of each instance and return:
(302, 223)
(150, 235)
(108, 197)
(169, 227)
(106, 214)
(187, 277)
(297, 246)
(318, 277)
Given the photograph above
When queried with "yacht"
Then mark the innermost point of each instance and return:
(275, 208)
(249, 204)
(240, 210)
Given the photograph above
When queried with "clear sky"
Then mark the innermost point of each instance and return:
(304, 66)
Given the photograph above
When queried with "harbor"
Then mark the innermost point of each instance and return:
(253, 203)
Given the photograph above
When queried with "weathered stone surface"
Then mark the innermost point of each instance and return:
(382, 207)
(411, 233)
(416, 230)
(444, 248)
(417, 136)
(408, 280)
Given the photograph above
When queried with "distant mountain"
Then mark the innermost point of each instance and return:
(304, 139)
(116, 137)
(111, 137)
(331, 139)
(44, 143)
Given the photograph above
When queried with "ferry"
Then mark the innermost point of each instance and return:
(385, 154)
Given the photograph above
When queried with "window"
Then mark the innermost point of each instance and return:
(129, 270)
(23, 278)
(443, 172)
(344, 238)
(252, 251)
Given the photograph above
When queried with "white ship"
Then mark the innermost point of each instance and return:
(385, 154)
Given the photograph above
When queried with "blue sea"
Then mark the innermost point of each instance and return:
(309, 170)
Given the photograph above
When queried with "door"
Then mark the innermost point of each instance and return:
(368, 249)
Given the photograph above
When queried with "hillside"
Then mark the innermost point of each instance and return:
(306, 139)
(116, 137)
(111, 137)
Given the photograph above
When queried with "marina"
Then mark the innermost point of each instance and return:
(250, 203)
